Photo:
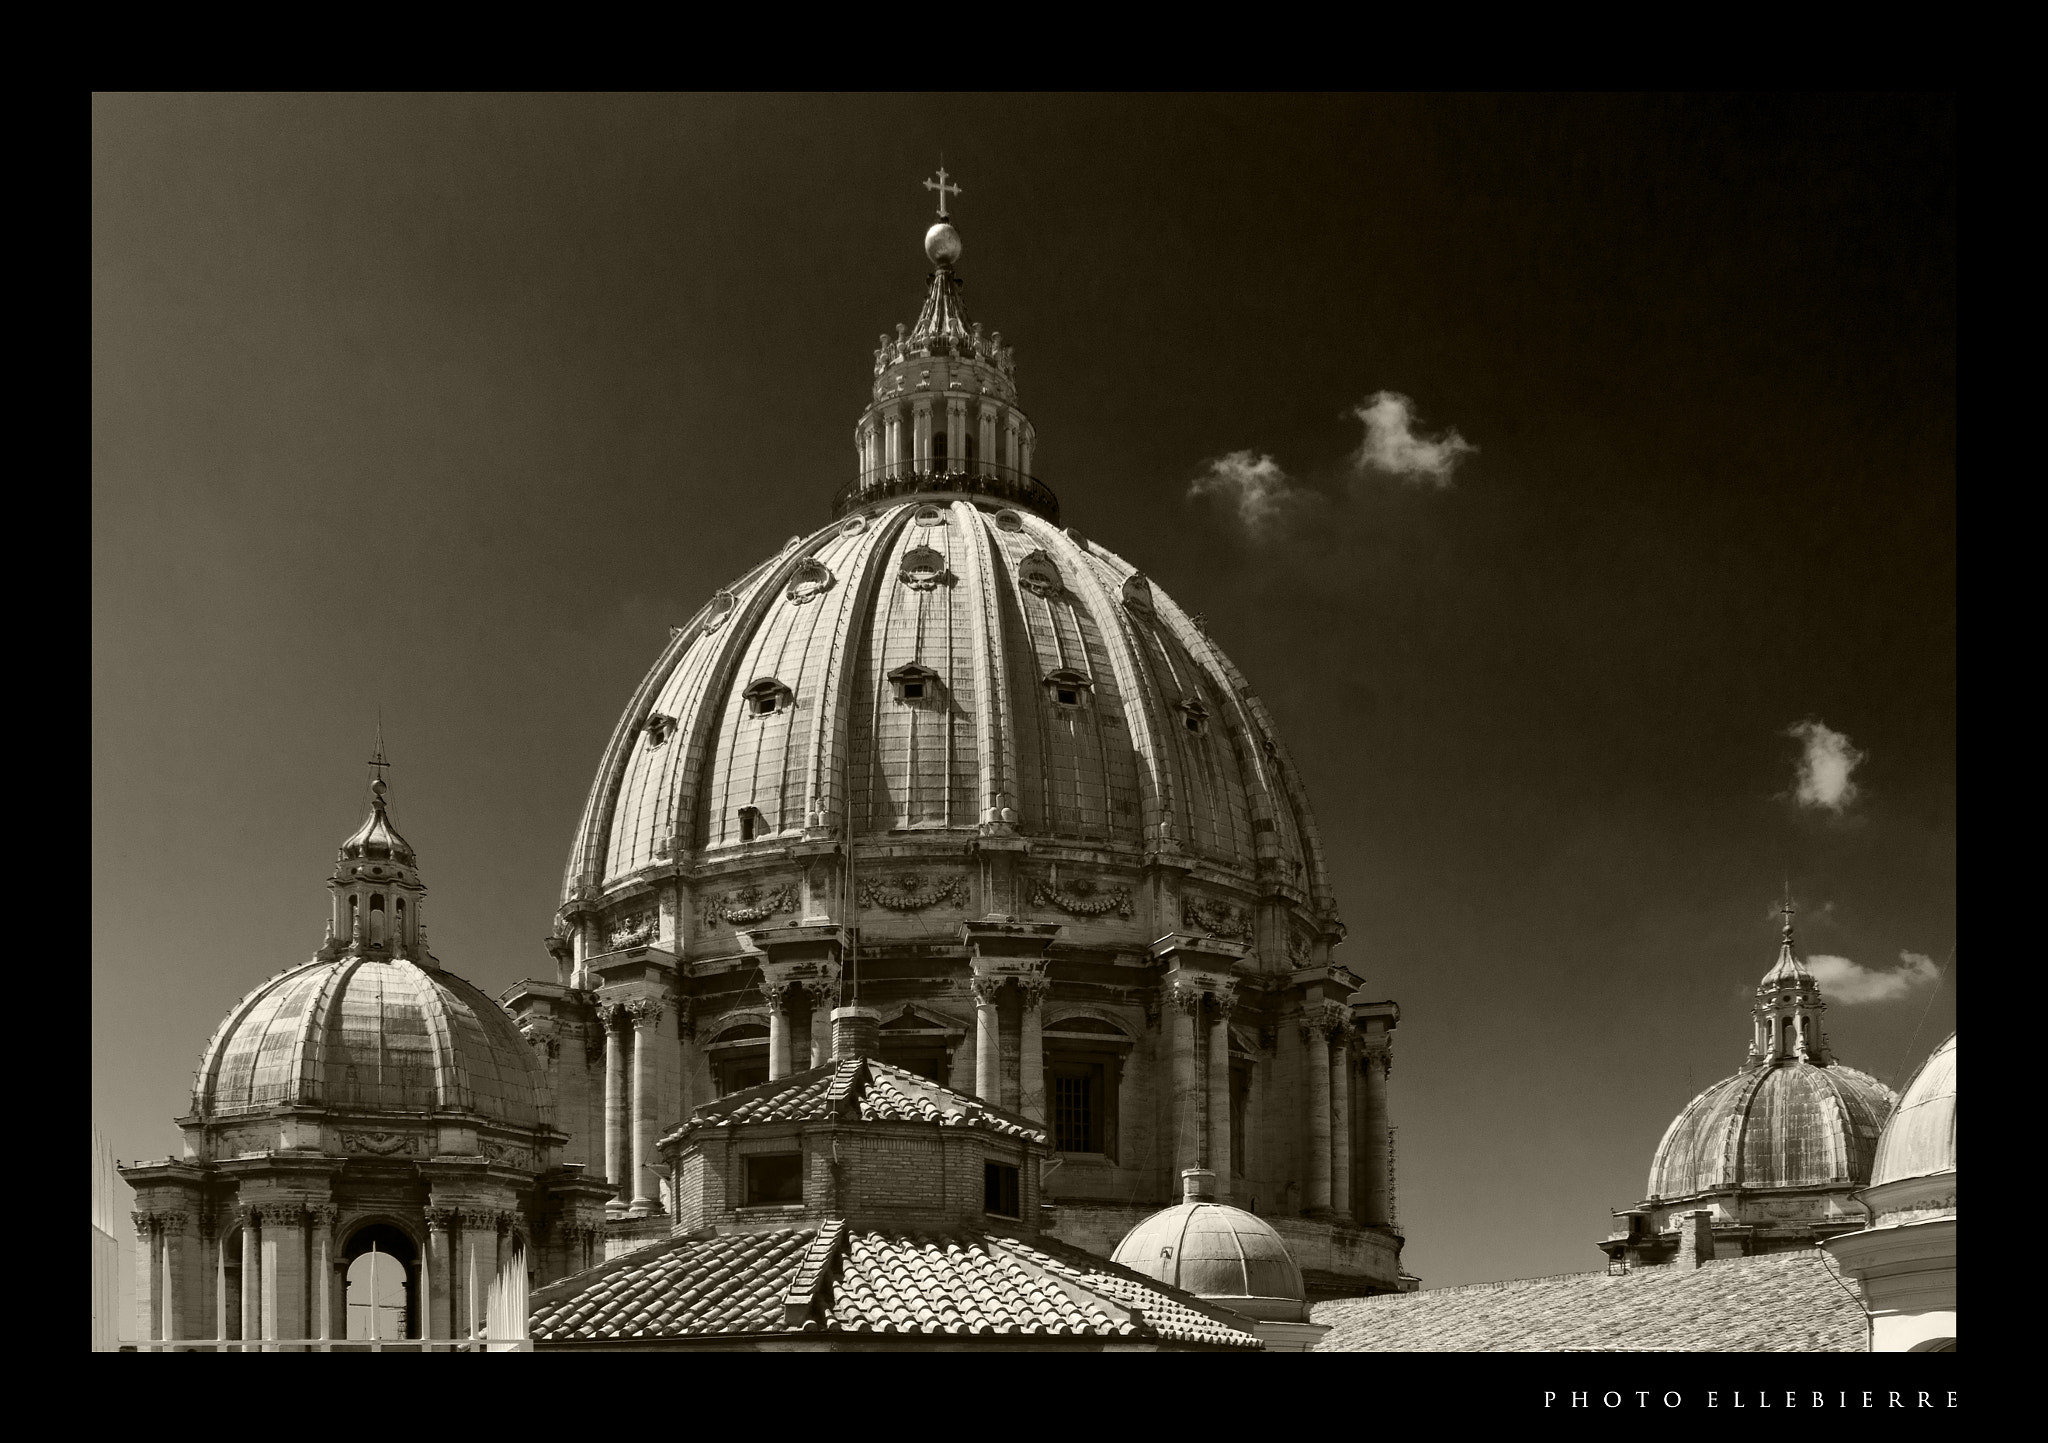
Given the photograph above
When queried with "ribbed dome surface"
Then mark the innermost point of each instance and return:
(1213, 1251)
(373, 1035)
(1056, 694)
(1793, 1124)
(1921, 1137)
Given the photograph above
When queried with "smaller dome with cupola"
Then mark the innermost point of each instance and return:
(1777, 1151)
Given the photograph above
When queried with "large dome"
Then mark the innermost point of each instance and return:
(1788, 1125)
(1921, 1137)
(946, 664)
(367, 1034)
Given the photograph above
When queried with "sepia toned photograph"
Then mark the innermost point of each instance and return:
(1036, 724)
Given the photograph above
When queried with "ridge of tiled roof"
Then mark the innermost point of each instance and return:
(1779, 1302)
(878, 1091)
(842, 1279)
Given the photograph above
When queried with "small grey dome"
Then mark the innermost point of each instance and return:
(1920, 1139)
(1215, 1251)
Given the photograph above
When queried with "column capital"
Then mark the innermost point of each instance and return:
(773, 990)
(645, 1011)
(987, 988)
(823, 990)
(281, 1214)
(1223, 1001)
(612, 1016)
(1032, 990)
(1185, 995)
(439, 1219)
(324, 1215)
(1380, 1054)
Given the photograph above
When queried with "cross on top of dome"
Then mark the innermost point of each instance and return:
(942, 188)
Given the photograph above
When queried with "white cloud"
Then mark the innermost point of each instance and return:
(1392, 448)
(1849, 982)
(1255, 486)
(1824, 767)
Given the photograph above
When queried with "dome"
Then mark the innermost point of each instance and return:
(376, 838)
(1214, 1251)
(365, 1034)
(947, 665)
(1791, 1124)
(1921, 1137)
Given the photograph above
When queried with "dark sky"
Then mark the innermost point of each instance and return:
(453, 406)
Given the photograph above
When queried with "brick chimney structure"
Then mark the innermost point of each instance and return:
(1695, 1239)
(856, 1033)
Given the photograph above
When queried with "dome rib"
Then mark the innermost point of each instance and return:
(995, 747)
(1146, 718)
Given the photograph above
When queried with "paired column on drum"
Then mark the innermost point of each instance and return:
(1374, 1024)
(1199, 994)
(642, 1068)
(1004, 952)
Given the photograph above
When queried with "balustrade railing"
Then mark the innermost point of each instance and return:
(957, 477)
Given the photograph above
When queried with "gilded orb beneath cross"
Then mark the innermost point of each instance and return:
(942, 244)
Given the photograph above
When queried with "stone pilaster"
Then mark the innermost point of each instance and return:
(1340, 1116)
(822, 992)
(1221, 1002)
(988, 1039)
(646, 1189)
(1031, 994)
(1315, 1044)
(252, 1274)
(617, 1102)
(439, 1304)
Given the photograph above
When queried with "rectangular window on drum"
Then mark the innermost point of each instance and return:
(1075, 1114)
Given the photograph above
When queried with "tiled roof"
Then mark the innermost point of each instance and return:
(1777, 1303)
(848, 1280)
(876, 1090)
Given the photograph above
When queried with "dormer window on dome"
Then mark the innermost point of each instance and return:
(659, 728)
(766, 697)
(1068, 688)
(1039, 575)
(915, 684)
(923, 568)
(811, 580)
(1194, 716)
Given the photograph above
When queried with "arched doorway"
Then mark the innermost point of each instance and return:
(379, 1268)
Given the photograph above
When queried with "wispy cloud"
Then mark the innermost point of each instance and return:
(1825, 765)
(1849, 982)
(1392, 447)
(1254, 486)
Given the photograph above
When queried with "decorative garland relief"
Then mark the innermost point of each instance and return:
(1084, 900)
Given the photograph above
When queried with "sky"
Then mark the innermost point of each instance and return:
(1574, 478)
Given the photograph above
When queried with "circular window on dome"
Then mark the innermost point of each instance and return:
(930, 516)
(923, 568)
(1009, 521)
(719, 608)
(811, 581)
(853, 526)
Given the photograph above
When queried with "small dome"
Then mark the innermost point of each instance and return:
(1792, 1124)
(1921, 1137)
(1214, 1251)
(366, 1034)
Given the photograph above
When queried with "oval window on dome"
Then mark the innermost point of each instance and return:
(811, 580)
(1009, 521)
(853, 526)
(930, 516)
(923, 568)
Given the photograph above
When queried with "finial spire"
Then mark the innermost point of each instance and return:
(377, 763)
(942, 188)
(1786, 910)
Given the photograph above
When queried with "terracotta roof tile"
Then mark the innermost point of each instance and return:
(1778, 1303)
(881, 1092)
(935, 1284)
